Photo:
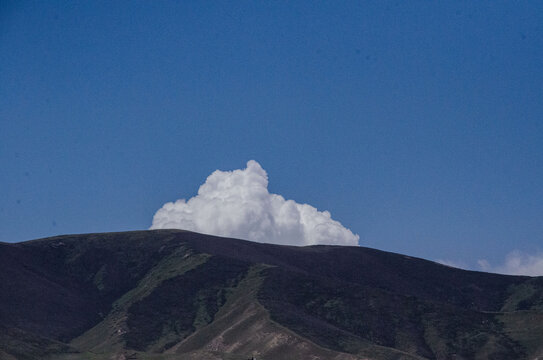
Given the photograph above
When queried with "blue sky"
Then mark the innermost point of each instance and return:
(418, 125)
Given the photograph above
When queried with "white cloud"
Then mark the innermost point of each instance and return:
(516, 263)
(237, 204)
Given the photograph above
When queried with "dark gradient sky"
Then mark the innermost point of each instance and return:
(418, 125)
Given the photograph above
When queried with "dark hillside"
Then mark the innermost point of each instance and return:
(370, 267)
(174, 294)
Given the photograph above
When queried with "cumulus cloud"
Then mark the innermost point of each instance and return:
(517, 263)
(237, 204)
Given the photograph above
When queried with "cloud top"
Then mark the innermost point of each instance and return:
(238, 204)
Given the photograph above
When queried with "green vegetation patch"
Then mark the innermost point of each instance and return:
(181, 304)
(177, 263)
(525, 296)
(108, 335)
(98, 279)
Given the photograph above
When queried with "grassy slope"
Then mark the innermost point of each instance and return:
(343, 315)
(522, 316)
(175, 294)
(243, 328)
(106, 336)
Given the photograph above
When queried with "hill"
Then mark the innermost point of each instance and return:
(172, 294)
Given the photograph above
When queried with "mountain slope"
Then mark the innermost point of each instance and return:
(172, 294)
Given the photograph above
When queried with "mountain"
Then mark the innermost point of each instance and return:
(172, 294)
